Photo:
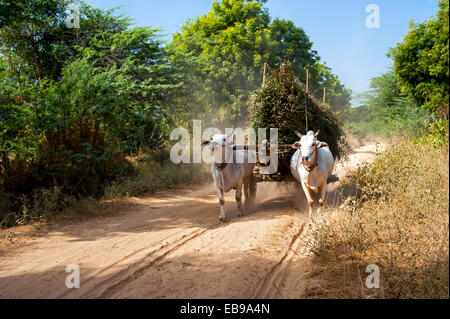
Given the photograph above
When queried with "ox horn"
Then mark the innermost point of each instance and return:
(298, 134)
(317, 134)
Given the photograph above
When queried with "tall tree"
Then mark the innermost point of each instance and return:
(36, 47)
(386, 110)
(421, 62)
(229, 46)
(35, 32)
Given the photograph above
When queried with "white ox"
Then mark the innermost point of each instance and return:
(311, 165)
(229, 174)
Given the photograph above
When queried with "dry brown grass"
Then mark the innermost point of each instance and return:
(152, 171)
(151, 177)
(399, 221)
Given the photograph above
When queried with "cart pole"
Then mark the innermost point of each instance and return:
(306, 99)
(264, 75)
(307, 81)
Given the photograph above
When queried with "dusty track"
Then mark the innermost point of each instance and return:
(172, 245)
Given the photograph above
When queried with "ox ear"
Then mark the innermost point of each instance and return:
(296, 145)
(298, 134)
(317, 133)
(231, 139)
(205, 143)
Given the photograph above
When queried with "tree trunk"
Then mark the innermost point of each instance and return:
(37, 58)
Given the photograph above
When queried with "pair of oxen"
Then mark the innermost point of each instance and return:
(311, 165)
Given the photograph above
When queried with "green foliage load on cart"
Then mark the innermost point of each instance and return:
(280, 103)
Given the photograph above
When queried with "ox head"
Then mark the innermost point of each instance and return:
(220, 145)
(307, 145)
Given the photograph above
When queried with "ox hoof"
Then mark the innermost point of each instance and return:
(313, 218)
(222, 219)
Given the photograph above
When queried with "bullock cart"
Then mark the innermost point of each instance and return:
(274, 165)
(284, 103)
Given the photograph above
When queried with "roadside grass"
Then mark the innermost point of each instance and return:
(152, 176)
(152, 171)
(398, 220)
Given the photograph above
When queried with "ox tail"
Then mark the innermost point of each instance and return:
(251, 191)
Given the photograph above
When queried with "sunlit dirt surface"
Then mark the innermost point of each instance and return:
(172, 245)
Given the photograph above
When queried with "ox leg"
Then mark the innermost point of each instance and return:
(323, 195)
(246, 194)
(239, 199)
(222, 215)
(309, 198)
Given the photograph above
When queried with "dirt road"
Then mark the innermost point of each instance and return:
(171, 245)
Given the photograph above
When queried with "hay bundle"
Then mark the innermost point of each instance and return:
(280, 103)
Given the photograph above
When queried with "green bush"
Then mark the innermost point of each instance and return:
(74, 109)
(436, 135)
(386, 111)
(151, 176)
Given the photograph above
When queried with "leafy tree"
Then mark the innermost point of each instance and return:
(73, 102)
(337, 95)
(421, 62)
(37, 46)
(37, 35)
(25, 31)
(231, 43)
(151, 84)
(386, 110)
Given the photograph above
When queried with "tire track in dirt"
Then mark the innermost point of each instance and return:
(298, 251)
(116, 277)
(277, 273)
(19, 286)
(136, 270)
(133, 270)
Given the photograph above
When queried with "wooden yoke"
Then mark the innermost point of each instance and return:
(282, 148)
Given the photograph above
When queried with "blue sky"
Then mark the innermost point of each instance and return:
(336, 27)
